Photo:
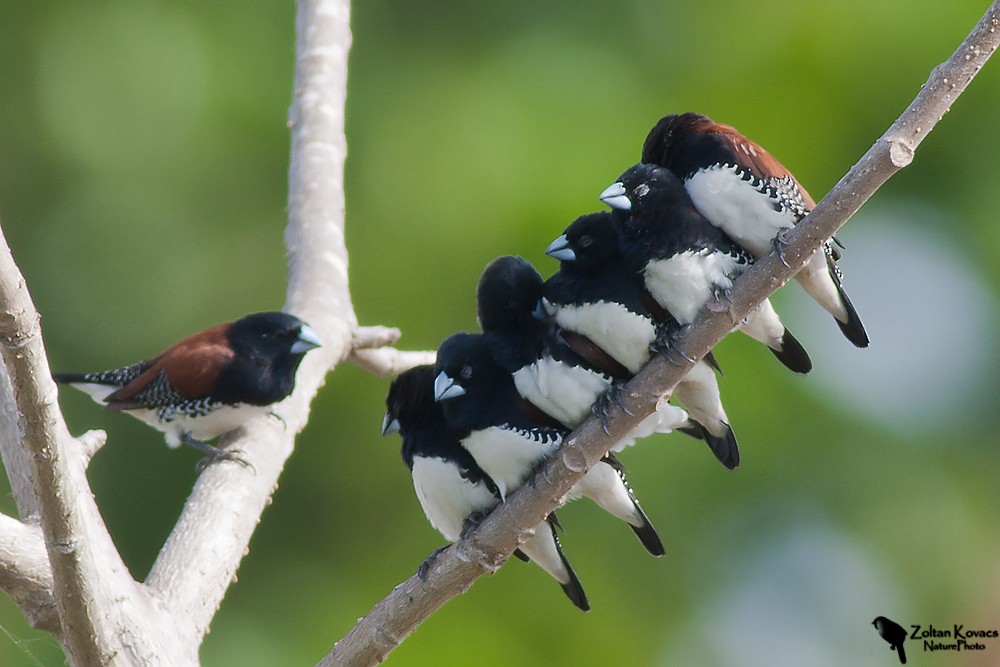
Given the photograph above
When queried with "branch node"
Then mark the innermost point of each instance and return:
(65, 547)
(91, 443)
(468, 551)
(573, 458)
(901, 152)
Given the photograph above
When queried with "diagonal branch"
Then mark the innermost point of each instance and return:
(412, 601)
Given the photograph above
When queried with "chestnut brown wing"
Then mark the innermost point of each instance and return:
(188, 370)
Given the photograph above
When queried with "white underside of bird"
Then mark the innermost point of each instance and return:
(683, 283)
(448, 499)
(202, 420)
(560, 390)
(624, 335)
(748, 216)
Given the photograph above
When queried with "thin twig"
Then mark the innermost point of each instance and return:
(369, 338)
(388, 361)
(371, 351)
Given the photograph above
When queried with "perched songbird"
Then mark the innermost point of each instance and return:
(601, 304)
(210, 383)
(746, 192)
(452, 489)
(562, 381)
(684, 261)
(893, 633)
(510, 438)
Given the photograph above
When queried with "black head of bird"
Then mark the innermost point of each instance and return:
(508, 294)
(647, 191)
(410, 397)
(588, 244)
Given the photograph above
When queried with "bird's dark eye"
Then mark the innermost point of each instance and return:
(586, 240)
(641, 190)
(466, 372)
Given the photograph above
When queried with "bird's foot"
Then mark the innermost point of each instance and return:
(425, 566)
(214, 454)
(224, 455)
(539, 471)
(666, 344)
(471, 522)
(614, 395)
(779, 243)
(721, 300)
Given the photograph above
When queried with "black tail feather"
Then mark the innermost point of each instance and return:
(852, 329)
(645, 531)
(69, 378)
(693, 429)
(792, 354)
(725, 447)
(647, 535)
(572, 588)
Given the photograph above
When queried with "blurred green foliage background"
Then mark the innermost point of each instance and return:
(143, 157)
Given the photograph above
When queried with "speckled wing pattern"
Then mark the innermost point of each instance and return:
(160, 396)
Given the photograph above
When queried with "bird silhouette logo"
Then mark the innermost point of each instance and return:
(893, 633)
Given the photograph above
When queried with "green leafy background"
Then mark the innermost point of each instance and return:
(143, 159)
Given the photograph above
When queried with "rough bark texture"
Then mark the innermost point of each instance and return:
(455, 569)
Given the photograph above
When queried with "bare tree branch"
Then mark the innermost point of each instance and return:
(101, 615)
(87, 572)
(371, 351)
(388, 361)
(317, 281)
(455, 569)
(25, 572)
(368, 338)
(16, 461)
(203, 552)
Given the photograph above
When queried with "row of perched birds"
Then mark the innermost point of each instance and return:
(700, 207)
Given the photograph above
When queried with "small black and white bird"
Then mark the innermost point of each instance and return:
(893, 633)
(601, 304)
(746, 192)
(453, 490)
(210, 383)
(510, 438)
(562, 381)
(686, 262)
